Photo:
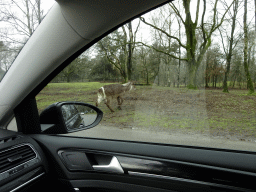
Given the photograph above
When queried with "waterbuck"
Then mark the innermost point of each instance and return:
(108, 92)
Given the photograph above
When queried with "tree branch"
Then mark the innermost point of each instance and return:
(222, 19)
(170, 36)
(110, 60)
(197, 11)
(177, 12)
(160, 51)
(202, 22)
(223, 45)
(136, 31)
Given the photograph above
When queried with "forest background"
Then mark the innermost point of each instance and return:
(185, 43)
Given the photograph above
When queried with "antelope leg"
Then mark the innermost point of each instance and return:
(108, 105)
(99, 99)
(120, 101)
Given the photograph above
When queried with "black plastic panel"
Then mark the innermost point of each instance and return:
(186, 166)
(23, 180)
(113, 186)
(75, 161)
(236, 160)
(188, 172)
(24, 167)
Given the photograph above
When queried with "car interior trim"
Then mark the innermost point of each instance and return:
(113, 185)
(188, 181)
(164, 167)
(114, 166)
(28, 163)
(28, 182)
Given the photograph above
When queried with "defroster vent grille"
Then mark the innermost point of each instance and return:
(8, 139)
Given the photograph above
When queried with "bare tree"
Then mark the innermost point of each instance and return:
(144, 57)
(214, 68)
(232, 42)
(119, 48)
(194, 51)
(6, 56)
(164, 18)
(21, 17)
(246, 68)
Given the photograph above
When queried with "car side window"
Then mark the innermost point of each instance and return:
(170, 77)
(12, 125)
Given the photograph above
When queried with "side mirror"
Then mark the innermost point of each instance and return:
(67, 117)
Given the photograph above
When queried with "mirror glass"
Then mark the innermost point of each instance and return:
(78, 116)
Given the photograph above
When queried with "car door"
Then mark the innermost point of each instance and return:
(112, 165)
(123, 158)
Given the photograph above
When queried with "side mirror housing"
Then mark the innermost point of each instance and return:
(67, 117)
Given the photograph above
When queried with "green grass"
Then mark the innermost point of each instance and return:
(55, 92)
(74, 87)
(230, 85)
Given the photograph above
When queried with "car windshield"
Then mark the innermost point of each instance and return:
(18, 20)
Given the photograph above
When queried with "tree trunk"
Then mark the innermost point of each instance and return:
(147, 79)
(129, 63)
(192, 76)
(147, 76)
(206, 82)
(255, 13)
(246, 68)
(234, 82)
(30, 30)
(178, 85)
(225, 84)
(125, 78)
(207, 74)
(229, 54)
(39, 16)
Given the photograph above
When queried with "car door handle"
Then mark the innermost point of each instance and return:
(114, 166)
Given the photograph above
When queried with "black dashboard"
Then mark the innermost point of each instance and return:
(22, 162)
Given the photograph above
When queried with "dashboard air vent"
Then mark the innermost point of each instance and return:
(15, 156)
(5, 140)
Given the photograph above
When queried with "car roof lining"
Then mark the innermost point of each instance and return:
(86, 18)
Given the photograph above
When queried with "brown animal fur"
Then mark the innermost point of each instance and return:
(108, 92)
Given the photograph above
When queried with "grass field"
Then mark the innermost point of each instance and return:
(207, 111)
